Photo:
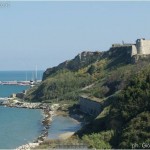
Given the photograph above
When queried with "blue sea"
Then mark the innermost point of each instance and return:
(60, 125)
(19, 75)
(7, 90)
(18, 126)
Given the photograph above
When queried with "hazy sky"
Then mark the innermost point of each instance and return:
(48, 33)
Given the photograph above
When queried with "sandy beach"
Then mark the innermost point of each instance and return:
(66, 135)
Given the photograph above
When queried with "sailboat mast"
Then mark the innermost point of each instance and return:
(26, 75)
(36, 73)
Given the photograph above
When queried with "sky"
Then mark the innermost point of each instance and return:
(44, 34)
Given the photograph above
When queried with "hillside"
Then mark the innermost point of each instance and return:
(111, 76)
(66, 80)
(126, 120)
(80, 61)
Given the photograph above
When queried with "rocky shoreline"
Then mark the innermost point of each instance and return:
(48, 113)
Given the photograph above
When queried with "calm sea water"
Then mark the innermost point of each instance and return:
(18, 126)
(19, 75)
(61, 125)
(7, 90)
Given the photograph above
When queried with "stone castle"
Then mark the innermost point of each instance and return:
(141, 47)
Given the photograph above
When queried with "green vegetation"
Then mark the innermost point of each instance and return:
(63, 85)
(113, 77)
(72, 143)
(128, 115)
(136, 131)
(98, 140)
(131, 109)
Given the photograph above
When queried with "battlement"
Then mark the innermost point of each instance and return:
(121, 45)
(141, 47)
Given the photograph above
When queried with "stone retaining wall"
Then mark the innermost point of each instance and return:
(90, 106)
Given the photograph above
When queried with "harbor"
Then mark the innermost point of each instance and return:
(23, 83)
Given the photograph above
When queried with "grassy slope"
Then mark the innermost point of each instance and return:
(127, 116)
(110, 76)
(67, 79)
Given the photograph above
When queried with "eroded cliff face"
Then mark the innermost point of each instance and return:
(81, 60)
(66, 80)
(118, 55)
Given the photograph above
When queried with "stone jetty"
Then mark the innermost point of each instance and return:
(21, 104)
(48, 112)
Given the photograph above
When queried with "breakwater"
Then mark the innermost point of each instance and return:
(19, 126)
(23, 83)
(48, 112)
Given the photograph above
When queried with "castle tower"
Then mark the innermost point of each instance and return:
(139, 46)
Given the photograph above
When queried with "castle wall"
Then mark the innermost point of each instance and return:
(143, 46)
(146, 46)
(133, 50)
(89, 106)
(139, 46)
